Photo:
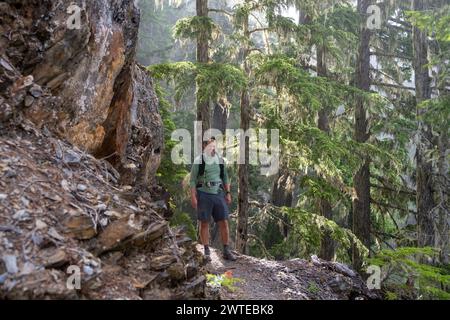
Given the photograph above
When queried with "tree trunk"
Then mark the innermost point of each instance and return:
(442, 224)
(203, 112)
(327, 244)
(243, 168)
(442, 182)
(220, 116)
(361, 180)
(424, 183)
(283, 194)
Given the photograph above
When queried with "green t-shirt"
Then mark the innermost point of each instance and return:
(212, 174)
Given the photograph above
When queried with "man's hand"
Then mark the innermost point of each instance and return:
(228, 198)
(194, 201)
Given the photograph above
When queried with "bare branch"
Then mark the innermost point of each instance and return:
(406, 24)
(390, 55)
(392, 85)
(258, 30)
(221, 11)
(387, 205)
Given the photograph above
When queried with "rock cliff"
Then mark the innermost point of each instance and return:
(82, 81)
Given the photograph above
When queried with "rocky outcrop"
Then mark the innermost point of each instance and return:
(81, 81)
(80, 143)
(62, 211)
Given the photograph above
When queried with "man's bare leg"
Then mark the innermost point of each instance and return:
(224, 232)
(204, 233)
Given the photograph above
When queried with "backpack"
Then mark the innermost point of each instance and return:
(201, 169)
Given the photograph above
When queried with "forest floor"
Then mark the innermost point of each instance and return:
(297, 279)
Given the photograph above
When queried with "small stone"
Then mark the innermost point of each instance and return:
(101, 207)
(29, 100)
(54, 234)
(71, 157)
(65, 185)
(104, 222)
(23, 82)
(56, 259)
(7, 244)
(114, 235)
(80, 227)
(40, 225)
(82, 187)
(38, 240)
(25, 201)
(3, 196)
(94, 263)
(88, 270)
(3, 278)
(55, 197)
(36, 91)
(10, 263)
(21, 215)
(27, 268)
(5, 64)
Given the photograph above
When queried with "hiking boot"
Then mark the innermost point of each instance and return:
(207, 256)
(228, 255)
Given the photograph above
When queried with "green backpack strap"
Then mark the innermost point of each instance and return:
(201, 169)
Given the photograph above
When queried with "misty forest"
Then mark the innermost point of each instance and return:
(358, 93)
(362, 113)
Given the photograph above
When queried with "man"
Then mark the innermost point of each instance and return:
(210, 196)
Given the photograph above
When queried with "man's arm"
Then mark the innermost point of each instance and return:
(227, 184)
(193, 185)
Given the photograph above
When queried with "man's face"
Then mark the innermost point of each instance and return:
(210, 148)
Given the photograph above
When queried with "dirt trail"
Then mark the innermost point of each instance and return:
(288, 280)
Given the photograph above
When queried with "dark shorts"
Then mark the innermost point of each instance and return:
(213, 205)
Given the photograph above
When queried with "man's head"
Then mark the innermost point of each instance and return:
(209, 146)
